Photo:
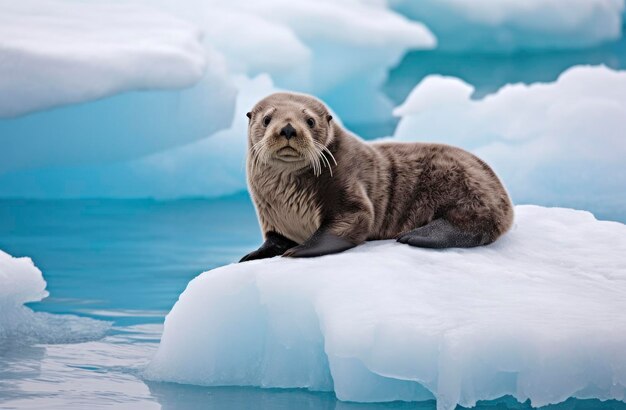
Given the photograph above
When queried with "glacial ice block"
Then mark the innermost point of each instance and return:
(339, 51)
(212, 166)
(21, 282)
(56, 52)
(94, 83)
(538, 315)
(118, 128)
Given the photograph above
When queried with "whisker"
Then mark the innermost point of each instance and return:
(318, 155)
(321, 149)
(330, 153)
(318, 166)
(311, 160)
(325, 162)
(256, 152)
(330, 169)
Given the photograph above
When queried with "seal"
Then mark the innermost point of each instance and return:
(320, 190)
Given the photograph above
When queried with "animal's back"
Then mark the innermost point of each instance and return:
(425, 181)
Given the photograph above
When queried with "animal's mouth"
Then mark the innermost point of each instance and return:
(288, 154)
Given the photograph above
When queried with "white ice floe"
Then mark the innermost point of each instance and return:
(61, 52)
(105, 57)
(338, 50)
(512, 25)
(122, 127)
(21, 282)
(558, 143)
(352, 47)
(538, 315)
(124, 55)
(213, 166)
(210, 167)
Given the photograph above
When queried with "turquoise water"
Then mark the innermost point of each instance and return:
(131, 256)
(127, 262)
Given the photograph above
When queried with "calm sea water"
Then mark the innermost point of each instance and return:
(127, 262)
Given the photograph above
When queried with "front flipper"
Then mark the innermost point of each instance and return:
(320, 243)
(275, 244)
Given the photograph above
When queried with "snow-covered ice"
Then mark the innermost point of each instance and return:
(538, 315)
(21, 282)
(144, 85)
(513, 25)
(339, 51)
(92, 66)
(117, 128)
(60, 52)
(552, 144)
(212, 166)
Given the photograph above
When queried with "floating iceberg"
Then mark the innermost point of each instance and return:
(21, 282)
(537, 315)
(93, 83)
(339, 51)
(210, 167)
(124, 125)
(558, 143)
(118, 128)
(512, 25)
(62, 52)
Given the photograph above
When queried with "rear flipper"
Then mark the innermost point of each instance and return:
(442, 234)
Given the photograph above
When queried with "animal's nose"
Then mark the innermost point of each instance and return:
(288, 131)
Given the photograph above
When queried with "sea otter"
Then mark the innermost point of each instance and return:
(318, 189)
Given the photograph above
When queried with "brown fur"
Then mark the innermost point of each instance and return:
(378, 190)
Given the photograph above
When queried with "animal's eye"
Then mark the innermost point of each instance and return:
(310, 122)
(266, 120)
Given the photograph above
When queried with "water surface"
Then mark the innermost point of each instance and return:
(127, 261)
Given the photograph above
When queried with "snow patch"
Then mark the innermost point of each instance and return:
(537, 315)
(62, 52)
(552, 144)
(21, 282)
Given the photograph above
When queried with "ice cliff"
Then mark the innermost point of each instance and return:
(56, 53)
(74, 78)
(538, 315)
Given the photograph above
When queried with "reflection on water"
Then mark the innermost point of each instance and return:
(79, 376)
(18, 363)
(178, 397)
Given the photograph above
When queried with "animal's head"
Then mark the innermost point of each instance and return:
(291, 132)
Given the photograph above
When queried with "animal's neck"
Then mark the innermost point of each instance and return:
(282, 175)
